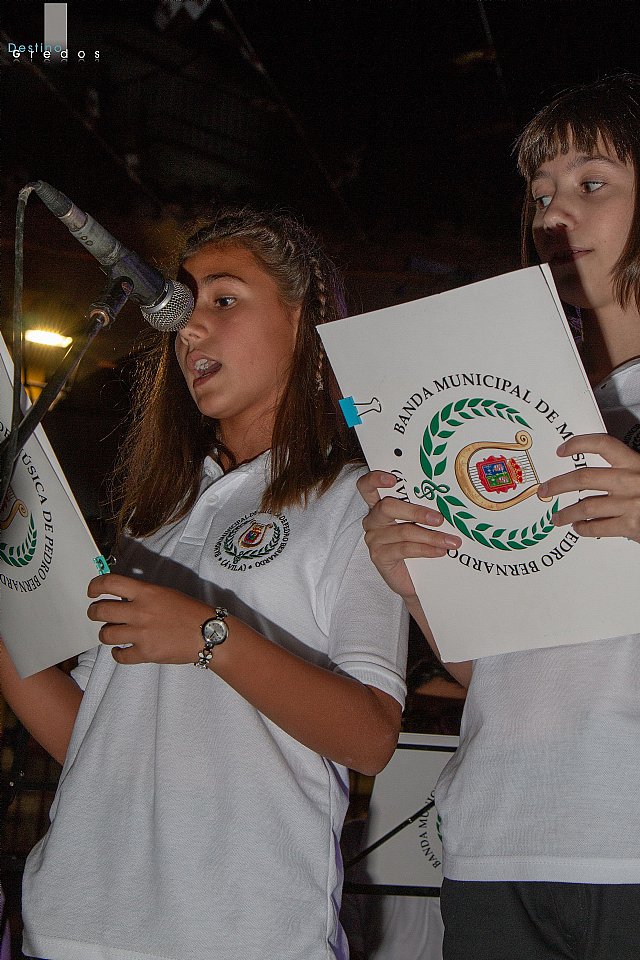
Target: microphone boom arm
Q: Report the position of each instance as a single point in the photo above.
(101, 313)
(165, 304)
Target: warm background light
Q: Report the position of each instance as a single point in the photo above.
(47, 338)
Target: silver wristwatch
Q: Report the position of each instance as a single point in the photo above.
(214, 632)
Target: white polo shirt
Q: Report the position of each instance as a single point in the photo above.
(546, 780)
(187, 825)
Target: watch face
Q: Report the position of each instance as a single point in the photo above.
(214, 630)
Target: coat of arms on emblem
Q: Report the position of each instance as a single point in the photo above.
(497, 474)
(498, 482)
(254, 536)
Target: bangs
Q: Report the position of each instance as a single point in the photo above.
(604, 113)
(543, 141)
(592, 118)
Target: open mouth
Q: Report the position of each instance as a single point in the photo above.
(204, 368)
(202, 365)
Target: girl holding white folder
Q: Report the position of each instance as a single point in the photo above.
(243, 666)
(539, 807)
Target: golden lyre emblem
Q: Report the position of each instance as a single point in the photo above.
(497, 476)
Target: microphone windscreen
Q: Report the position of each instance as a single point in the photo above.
(172, 312)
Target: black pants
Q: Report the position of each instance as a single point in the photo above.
(540, 921)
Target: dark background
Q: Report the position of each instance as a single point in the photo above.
(388, 125)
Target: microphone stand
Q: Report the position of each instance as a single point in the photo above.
(387, 836)
(101, 313)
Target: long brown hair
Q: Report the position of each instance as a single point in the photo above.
(160, 466)
(607, 110)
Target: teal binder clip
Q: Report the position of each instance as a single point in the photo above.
(353, 412)
(101, 564)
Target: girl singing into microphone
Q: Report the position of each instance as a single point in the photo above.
(252, 652)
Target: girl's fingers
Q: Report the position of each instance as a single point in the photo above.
(590, 508)
(602, 516)
(407, 536)
(408, 550)
(126, 655)
(607, 479)
(109, 611)
(389, 509)
(370, 483)
(115, 584)
(116, 633)
(615, 452)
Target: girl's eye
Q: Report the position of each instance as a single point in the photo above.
(592, 185)
(542, 202)
(225, 302)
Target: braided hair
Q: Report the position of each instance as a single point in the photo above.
(159, 472)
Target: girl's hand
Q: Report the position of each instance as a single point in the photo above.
(162, 625)
(391, 543)
(617, 512)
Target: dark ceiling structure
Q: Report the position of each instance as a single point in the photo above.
(388, 124)
(375, 119)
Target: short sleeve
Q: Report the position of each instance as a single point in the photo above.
(368, 623)
(82, 672)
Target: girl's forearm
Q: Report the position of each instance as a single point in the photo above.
(46, 703)
(333, 714)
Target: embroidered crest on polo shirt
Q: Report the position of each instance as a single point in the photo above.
(252, 541)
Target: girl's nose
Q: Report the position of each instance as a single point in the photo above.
(559, 214)
(195, 328)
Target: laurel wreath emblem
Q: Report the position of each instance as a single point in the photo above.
(269, 547)
(433, 461)
(21, 555)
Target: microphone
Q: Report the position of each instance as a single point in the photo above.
(165, 304)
